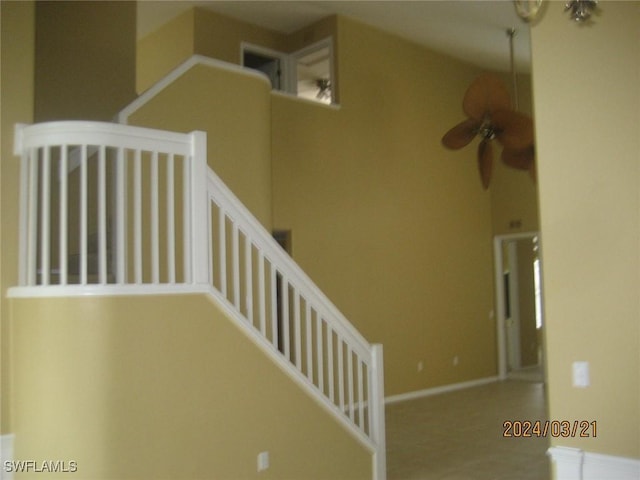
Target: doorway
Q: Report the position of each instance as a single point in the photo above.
(266, 61)
(519, 302)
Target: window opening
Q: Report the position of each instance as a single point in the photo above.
(306, 73)
(314, 73)
(271, 66)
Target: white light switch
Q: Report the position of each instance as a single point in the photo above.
(263, 461)
(581, 374)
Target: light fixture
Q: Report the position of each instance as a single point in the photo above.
(580, 10)
(527, 9)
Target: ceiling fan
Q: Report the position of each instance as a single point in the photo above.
(487, 105)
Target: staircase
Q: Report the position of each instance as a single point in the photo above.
(117, 209)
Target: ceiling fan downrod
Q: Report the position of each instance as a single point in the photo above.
(511, 32)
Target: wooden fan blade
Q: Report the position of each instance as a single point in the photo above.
(513, 129)
(485, 162)
(461, 135)
(520, 159)
(484, 96)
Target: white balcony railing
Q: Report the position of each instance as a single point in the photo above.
(108, 208)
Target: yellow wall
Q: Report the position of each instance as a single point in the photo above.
(205, 32)
(164, 49)
(16, 90)
(588, 122)
(197, 31)
(85, 59)
(411, 110)
(234, 109)
(131, 387)
(395, 228)
(220, 37)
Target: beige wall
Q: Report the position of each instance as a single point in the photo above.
(16, 98)
(85, 59)
(400, 130)
(396, 229)
(587, 121)
(131, 387)
(164, 49)
(197, 31)
(220, 37)
(233, 107)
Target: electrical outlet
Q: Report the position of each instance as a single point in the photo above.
(263, 461)
(456, 361)
(420, 366)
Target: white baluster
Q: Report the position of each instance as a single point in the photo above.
(120, 252)
(235, 264)
(285, 317)
(102, 215)
(187, 236)
(137, 216)
(155, 213)
(350, 382)
(83, 215)
(171, 233)
(319, 353)
(309, 345)
(341, 374)
(273, 282)
(330, 372)
(262, 295)
(45, 212)
(248, 278)
(64, 182)
(222, 254)
(360, 394)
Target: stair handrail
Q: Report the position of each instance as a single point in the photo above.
(333, 362)
(370, 431)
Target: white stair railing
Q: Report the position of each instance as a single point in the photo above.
(279, 303)
(104, 204)
(111, 208)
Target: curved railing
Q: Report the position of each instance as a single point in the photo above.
(108, 208)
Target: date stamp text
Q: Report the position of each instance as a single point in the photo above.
(549, 428)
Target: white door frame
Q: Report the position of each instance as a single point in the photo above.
(285, 62)
(498, 263)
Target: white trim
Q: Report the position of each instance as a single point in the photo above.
(6, 454)
(499, 295)
(99, 290)
(576, 464)
(452, 387)
(176, 73)
(326, 42)
(308, 101)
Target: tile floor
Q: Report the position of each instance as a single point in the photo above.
(459, 435)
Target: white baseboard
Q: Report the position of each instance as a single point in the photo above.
(6, 454)
(576, 464)
(438, 390)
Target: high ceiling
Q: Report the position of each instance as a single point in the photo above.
(471, 30)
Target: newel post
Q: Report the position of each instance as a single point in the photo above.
(379, 431)
(199, 208)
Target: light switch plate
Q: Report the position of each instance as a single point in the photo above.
(263, 461)
(581, 374)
